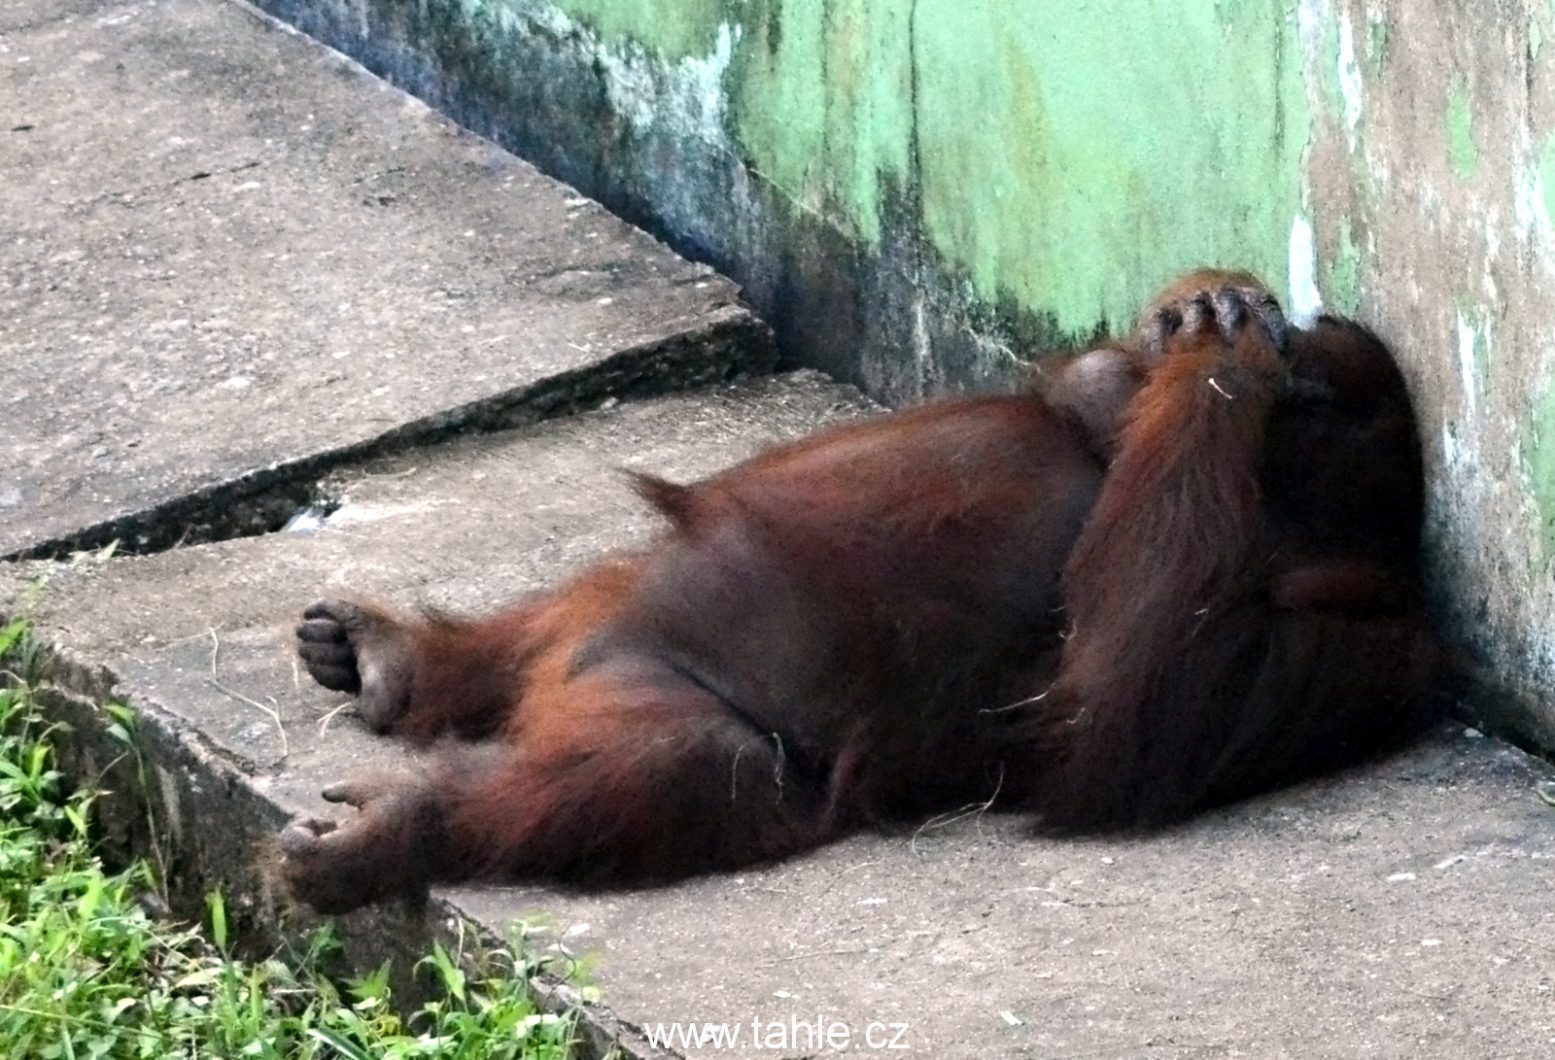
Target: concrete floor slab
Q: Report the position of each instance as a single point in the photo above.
(1403, 910)
(229, 256)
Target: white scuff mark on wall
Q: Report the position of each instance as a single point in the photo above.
(1306, 301)
(1459, 485)
(630, 84)
(1309, 23)
(1468, 374)
(1530, 210)
(1463, 479)
(1452, 456)
(1459, 493)
(687, 96)
(1351, 85)
(1528, 204)
(702, 84)
(923, 348)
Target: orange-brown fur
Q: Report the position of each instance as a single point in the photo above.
(1180, 570)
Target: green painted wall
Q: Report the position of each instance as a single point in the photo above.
(1075, 163)
(1071, 164)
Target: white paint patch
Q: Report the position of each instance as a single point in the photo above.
(701, 84)
(1467, 373)
(1528, 206)
(1306, 301)
(1350, 82)
(687, 97)
(923, 349)
(1452, 456)
(629, 82)
(1309, 23)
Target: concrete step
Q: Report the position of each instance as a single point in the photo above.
(198, 639)
(230, 258)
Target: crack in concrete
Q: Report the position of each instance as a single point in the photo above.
(262, 500)
(151, 189)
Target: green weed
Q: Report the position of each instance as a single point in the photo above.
(87, 970)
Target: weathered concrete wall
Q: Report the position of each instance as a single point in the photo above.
(921, 193)
(1431, 179)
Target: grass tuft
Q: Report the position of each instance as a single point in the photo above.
(88, 971)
